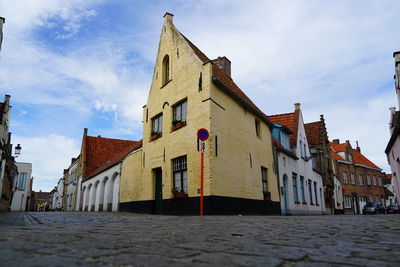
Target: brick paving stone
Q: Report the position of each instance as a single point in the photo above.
(126, 239)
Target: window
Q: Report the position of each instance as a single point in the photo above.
(305, 150)
(284, 140)
(315, 193)
(180, 112)
(368, 179)
(350, 158)
(165, 70)
(360, 179)
(295, 192)
(264, 179)
(347, 202)
(345, 179)
(156, 125)
(258, 132)
(22, 181)
(353, 180)
(180, 174)
(301, 149)
(380, 181)
(371, 198)
(374, 179)
(303, 197)
(310, 191)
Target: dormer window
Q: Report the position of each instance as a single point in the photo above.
(165, 70)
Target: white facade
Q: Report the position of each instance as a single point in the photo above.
(57, 203)
(101, 192)
(22, 187)
(299, 175)
(391, 188)
(72, 187)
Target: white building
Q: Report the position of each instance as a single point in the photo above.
(57, 203)
(72, 183)
(300, 185)
(22, 187)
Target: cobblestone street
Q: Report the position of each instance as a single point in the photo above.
(67, 239)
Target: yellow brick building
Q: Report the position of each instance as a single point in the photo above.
(188, 92)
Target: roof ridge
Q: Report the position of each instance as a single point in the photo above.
(281, 114)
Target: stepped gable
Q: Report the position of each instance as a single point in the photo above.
(313, 132)
(99, 150)
(220, 78)
(291, 121)
(116, 158)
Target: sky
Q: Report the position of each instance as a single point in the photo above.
(70, 65)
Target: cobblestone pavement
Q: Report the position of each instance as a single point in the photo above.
(78, 238)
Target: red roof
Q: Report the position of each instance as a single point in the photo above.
(335, 155)
(291, 121)
(100, 151)
(313, 132)
(389, 176)
(338, 147)
(117, 157)
(358, 158)
(361, 159)
(226, 81)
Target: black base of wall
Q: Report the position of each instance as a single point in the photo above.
(213, 205)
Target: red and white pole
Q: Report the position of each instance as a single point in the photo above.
(202, 178)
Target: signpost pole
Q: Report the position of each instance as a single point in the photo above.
(203, 135)
(202, 177)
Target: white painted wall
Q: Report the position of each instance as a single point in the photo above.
(18, 202)
(302, 167)
(102, 190)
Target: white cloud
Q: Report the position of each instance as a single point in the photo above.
(49, 156)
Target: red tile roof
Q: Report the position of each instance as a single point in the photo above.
(358, 158)
(338, 147)
(335, 155)
(117, 157)
(226, 81)
(100, 150)
(313, 132)
(291, 121)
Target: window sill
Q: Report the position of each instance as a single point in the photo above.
(297, 202)
(305, 203)
(165, 84)
(155, 137)
(180, 195)
(178, 126)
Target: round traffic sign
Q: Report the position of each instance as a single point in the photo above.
(203, 134)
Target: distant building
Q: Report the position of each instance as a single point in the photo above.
(37, 198)
(388, 183)
(22, 187)
(71, 182)
(361, 179)
(393, 147)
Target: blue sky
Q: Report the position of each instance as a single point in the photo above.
(88, 63)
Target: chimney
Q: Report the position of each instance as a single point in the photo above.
(348, 143)
(224, 64)
(336, 141)
(297, 106)
(72, 160)
(85, 131)
(168, 17)
(392, 110)
(358, 148)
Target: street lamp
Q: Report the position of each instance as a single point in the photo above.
(17, 151)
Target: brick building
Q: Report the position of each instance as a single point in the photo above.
(37, 198)
(361, 179)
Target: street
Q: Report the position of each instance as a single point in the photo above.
(89, 239)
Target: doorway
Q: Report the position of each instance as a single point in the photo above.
(285, 193)
(158, 191)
